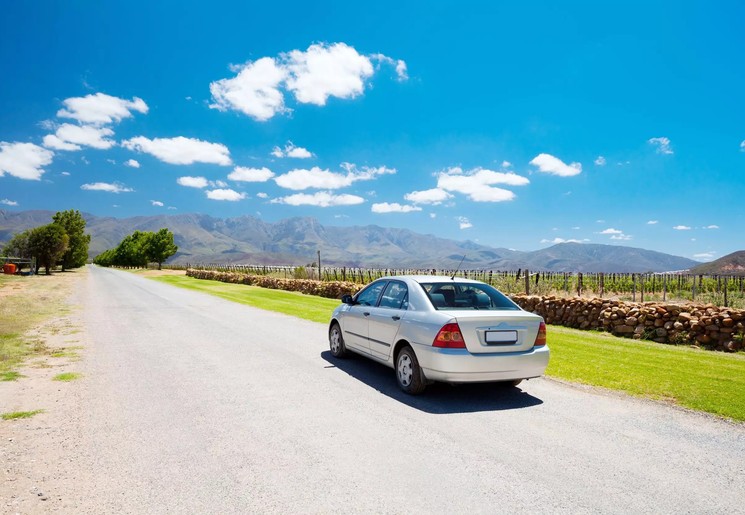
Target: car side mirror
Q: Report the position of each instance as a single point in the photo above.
(347, 299)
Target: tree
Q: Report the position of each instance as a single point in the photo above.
(159, 246)
(73, 224)
(48, 244)
(18, 246)
(131, 250)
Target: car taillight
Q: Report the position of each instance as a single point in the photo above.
(540, 340)
(449, 337)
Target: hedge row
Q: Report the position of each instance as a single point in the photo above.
(330, 289)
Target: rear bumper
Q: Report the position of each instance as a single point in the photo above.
(460, 366)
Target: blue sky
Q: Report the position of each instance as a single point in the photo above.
(515, 125)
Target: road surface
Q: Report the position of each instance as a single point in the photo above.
(194, 404)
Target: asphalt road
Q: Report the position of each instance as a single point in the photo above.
(198, 405)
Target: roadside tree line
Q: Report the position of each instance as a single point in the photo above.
(140, 248)
(62, 242)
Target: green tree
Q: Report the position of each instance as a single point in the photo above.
(131, 250)
(77, 250)
(18, 245)
(159, 246)
(48, 244)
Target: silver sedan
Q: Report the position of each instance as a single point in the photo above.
(431, 328)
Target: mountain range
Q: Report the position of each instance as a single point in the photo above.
(296, 241)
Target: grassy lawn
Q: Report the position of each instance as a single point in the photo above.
(702, 380)
(696, 379)
(315, 309)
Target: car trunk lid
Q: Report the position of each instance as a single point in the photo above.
(498, 331)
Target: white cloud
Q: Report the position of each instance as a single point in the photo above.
(66, 174)
(506, 164)
(8, 202)
(244, 174)
(562, 240)
(711, 227)
(301, 179)
(105, 186)
(157, 203)
(70, 137)
(547, 163)
(401, 70)
(705, 255)
(662, 144)
(600, 161)
(291, 150)
(254, 91)
(52, 141)
(434, 196)
(172, 208)
(219, 184)
(100, 109)
(193, 182)
(652, 222)
(385, 207)
(433, 215)
(132, 163)
(742, 146)
(181, 150)
(320, 199)
(225, 194)
(478, 184)
(682, 228)
(262, 195)
(464, 223)
(312, 76)
(24, 160)
(324, 71)
(615, 234)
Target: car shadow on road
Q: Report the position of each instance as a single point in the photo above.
(438, 398)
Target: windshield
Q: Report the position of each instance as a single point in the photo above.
(454, 295)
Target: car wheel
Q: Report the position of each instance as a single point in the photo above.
(408, 372)
(336, 342)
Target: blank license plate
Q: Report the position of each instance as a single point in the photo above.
(501, 336)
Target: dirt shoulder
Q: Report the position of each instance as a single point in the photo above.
(38, 454)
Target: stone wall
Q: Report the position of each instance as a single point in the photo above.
(706, 326)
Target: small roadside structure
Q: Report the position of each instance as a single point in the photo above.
(17, 265)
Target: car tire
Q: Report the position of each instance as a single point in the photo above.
(408, 372)
(336, 342)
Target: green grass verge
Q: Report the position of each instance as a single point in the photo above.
(10, 376)
(67, 376)
(15, 415)
(701, 380)
(315, 309)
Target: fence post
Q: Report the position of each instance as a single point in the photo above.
(725, 292)
(579, 284)
(664, 288)
(641, 287)
(527, 282)
(633, 287)
(602, 284)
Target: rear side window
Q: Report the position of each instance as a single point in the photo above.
(454, 295)
(395, 296)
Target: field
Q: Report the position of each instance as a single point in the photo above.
(695, 379)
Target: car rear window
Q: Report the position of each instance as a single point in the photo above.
(455, 295)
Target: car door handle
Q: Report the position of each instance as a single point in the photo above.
(366, 313)
(396, 318)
